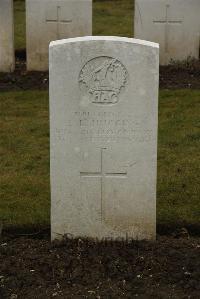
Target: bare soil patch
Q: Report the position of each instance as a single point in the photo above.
(176, 76)
(35, 268)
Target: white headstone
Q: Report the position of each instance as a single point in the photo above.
(7, 57)
(174, 24)
(103, 127)
(48, 20)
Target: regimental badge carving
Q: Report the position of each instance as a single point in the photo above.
(103, 79)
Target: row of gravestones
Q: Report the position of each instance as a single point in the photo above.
(103, 137)
(174, 24)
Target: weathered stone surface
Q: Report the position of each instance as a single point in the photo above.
(49, 20)
(103, 127)
(7, 58)
(174, 24)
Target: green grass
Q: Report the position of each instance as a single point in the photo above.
(114, 17)
(24, 171)
(19, 24)
(179, 157)
(24, 158)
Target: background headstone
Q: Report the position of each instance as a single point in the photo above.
(103, 126)
(49, 20)
(7, 57)
(174, 24)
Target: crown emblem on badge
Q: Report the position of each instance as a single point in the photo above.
(103, 78)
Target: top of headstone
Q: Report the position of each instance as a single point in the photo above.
(104, 38)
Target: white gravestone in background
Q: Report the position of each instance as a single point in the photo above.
(7, 57)
(103, 127)
(174, 24)
(48, 20)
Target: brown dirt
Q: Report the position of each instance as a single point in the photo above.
(21, 79)
(35, 268)
(176, 76)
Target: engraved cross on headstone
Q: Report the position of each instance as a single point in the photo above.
(167, 22)
(58, 21)
(102, 174)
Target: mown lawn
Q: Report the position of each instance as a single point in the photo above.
(24, 171)
(110, 17)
